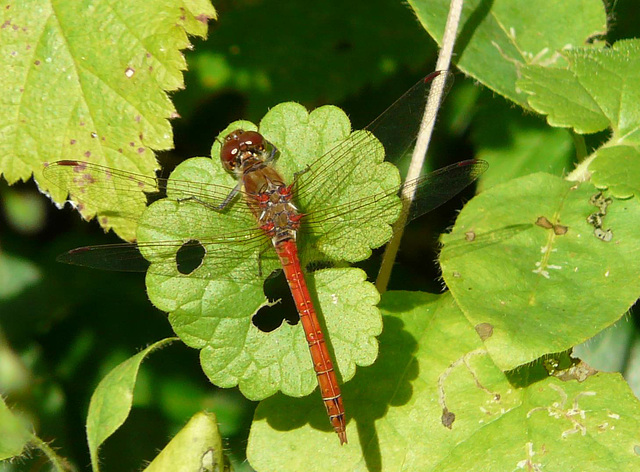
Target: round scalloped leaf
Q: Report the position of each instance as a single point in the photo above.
(212, 308)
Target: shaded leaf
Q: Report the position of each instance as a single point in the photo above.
(324, 58)
(16, 275)
(515, 144)
(111, 401)
(433, 367)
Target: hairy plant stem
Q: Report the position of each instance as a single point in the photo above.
(424, 137)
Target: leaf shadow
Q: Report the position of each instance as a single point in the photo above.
(471, 25)
(367, 397)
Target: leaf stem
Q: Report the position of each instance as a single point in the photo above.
(581, 146)
(59, 464)
(424, 137)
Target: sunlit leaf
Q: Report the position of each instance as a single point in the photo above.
(197, 447)
(523, 259)
(88, 81)
(212, 308)
(496, 39)
(14, 434)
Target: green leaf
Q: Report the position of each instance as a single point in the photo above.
(212, 308)
(24, 211)
(617, 168)
(610, 349)
(496, 39)
(600, 89)
(197, 447)
(432, 365)
(14, 434)
(89, 81)
(523, 278)
(111, 401)
(16, 275)
(215, 316)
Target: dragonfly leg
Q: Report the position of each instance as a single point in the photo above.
(300, 172)
(197, 200)
(289, 187)
(220, 207)
(229, 197)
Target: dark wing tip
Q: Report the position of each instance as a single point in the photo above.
(67, 162)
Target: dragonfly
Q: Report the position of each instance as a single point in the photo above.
(311, 207)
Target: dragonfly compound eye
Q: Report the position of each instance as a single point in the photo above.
(231, 149)
(238, 142)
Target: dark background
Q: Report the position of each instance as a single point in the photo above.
(65, 328)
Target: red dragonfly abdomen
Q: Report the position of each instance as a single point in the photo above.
(322, 363)
(270, 200)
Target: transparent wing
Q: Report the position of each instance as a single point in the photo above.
(250, 262)
(328, 226)
(396, 129)
(94, 186)
(334, 215)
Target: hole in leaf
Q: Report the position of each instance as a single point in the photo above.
(270, 318)
(190, 256)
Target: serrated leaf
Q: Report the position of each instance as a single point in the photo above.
(523, 278)
(599, 89)
(112, 399)
(196, 447)
(88, 81)
(212, 309)
(496, 39)
(431, 358)
(14, 434)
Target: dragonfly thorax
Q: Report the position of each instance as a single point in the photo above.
(272, 205)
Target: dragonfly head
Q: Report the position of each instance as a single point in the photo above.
(240, 145)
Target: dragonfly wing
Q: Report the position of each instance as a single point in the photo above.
(440, 186)
(119, 197)
(249, 263)
(347, 223)
(396, 129)
(117, 257)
